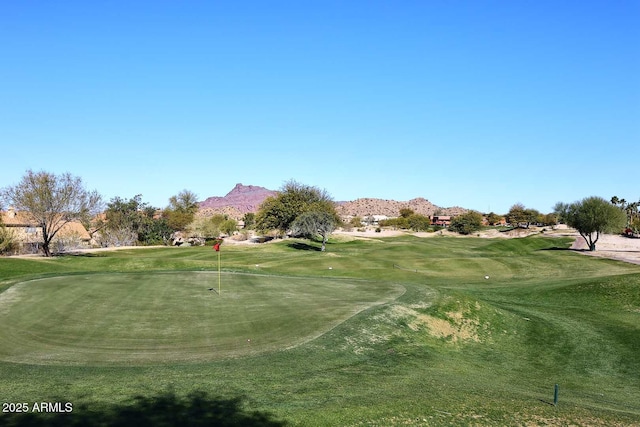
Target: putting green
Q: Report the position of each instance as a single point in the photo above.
(146, 318)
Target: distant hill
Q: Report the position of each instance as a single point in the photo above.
(247, 198)
(391, 208)
(237, 202)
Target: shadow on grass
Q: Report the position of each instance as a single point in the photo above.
(78, 254)
(165, 410)
(556, 248)
(303, 246)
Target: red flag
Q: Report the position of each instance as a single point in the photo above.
(217, 247)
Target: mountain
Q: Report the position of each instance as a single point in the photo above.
(391, 208)
(239, 201)
(247, 198)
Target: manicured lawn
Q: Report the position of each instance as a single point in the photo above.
(168, 317)
(379, 332)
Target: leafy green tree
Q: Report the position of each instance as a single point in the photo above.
(406, 212)
(632, 209)
(228, 226)
(122, 221)
(408, 219)
(591, 217)
(418, 222)
(181, 210)
(549, 219)
(519, 216)
(632, 212)
(532, 216)
(249, 220)
(154, 231)
(356, 221)
(217, 220)
(210, 227)
(315, 223)
(493, 218)
(132, 221)
(516, 215)
(278, 212)
(400, 222)
(466, 223)
(51, 201)
(560, 211)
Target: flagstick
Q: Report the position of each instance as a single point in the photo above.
(218, 273)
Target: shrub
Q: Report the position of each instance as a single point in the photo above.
(466, 223)
(7, 240)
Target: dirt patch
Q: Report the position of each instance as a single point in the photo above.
(455, 328)
(611, 246)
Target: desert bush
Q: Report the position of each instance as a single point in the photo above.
(67, 242)
(241, 236)
(8, 241)
(347, 227)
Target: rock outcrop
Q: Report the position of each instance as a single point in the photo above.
(391, 208)
(242, 198)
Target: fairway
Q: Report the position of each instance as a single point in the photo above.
(150, 318)
(380, 332)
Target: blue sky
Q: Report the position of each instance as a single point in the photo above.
(480, 104)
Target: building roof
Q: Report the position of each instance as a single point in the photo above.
(75, 228)
(13, 218)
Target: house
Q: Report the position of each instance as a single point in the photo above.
(28, 234)
(441, 220)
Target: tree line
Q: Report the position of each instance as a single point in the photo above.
(301, 210)
(52, 201)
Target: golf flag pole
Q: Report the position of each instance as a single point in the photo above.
(216, 247)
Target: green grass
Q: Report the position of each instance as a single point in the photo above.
(399, 331)
(168, 317)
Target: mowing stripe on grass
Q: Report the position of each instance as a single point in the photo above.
(143, 318)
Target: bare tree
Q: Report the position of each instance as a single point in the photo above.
(52, 201)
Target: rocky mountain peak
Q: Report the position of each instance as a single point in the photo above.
(243, 198)
(245, 189)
